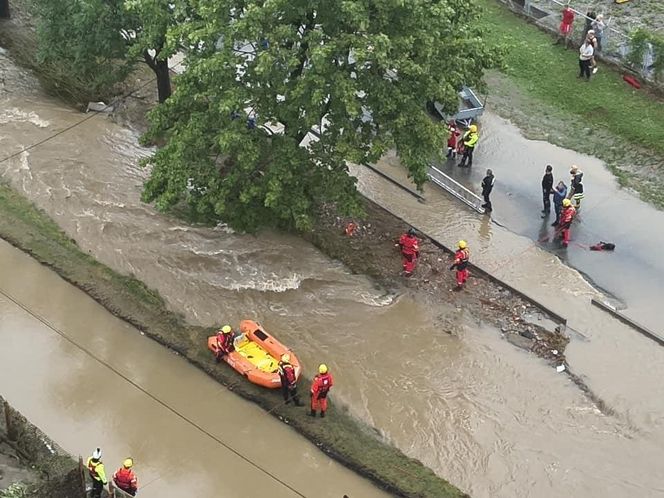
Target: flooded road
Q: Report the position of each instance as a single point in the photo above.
(634, 274)
(183, 436)
(494, 420)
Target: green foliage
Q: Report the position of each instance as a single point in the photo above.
(16, 490)
(100, 41)
(640, 42)
(86, 38)
(362, 70)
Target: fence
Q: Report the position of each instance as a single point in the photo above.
(456, 189)
(615, 43)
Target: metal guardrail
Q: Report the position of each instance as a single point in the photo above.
(628, 321)
(456, 189)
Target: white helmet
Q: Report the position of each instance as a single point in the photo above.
(96, 454)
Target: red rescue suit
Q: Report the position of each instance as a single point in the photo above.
(224, 344)
(461, 264)
(566, 219)
(319, 389)
(410, 250)
(125, 479)
(288, 382)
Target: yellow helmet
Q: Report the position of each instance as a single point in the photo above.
(567, 202)
(473, 128)
(128, 463)
(462, 244)
(285, 358)
(322, 369)
(226, 329)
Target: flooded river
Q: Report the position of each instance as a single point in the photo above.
(494, 420)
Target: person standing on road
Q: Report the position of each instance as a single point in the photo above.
(576, 187)
(97, 473)
(320, 388)
(452, 139)
(559, 195)
(410, 251)
(288, 380)
(461, 258)
(470, 139)
(566, 220)
(586, 52)
(487, 187)
(125, 479)
(547, 187)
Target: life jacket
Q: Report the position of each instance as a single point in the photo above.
(409, 245)
(470, 139)
(287, 373)
(568, 215)
(92, 468)
(125, 479)
(225, 341)
(322, 384)
(461, 259)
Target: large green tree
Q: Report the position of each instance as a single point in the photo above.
(100, 41)
(359, 71)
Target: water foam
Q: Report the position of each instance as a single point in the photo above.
(15, 115)
(274, 284)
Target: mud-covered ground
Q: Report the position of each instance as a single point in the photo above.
(371, 251)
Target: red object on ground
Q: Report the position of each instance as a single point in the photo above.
(631, 80)
(350, 229)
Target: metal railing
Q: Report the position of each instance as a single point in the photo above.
(615, 42)
(456, 189)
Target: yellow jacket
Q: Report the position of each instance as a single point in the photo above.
(97, 471)
(470, 139)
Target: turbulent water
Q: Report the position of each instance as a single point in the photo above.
(494, 420)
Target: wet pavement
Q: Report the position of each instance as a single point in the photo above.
(494, 420)
(633, 274)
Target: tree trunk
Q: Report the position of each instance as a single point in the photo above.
(4, 9)
(160, 68)
(163, 80)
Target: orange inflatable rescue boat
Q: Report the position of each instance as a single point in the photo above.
(256, 355)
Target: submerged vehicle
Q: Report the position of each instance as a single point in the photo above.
(256, 355)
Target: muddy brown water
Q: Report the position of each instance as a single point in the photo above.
(494, 420)
(78, 400)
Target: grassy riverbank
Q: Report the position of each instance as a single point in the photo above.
(340, 435)
(539, 90)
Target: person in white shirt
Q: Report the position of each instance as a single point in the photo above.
(586, 52)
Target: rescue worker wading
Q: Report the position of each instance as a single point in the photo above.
(470, 139)
(319, 390)
(97, 473)
(461, 263)
(225, 344)
(125, 479)
(288, 381)
(569, 212)
(410, 250)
